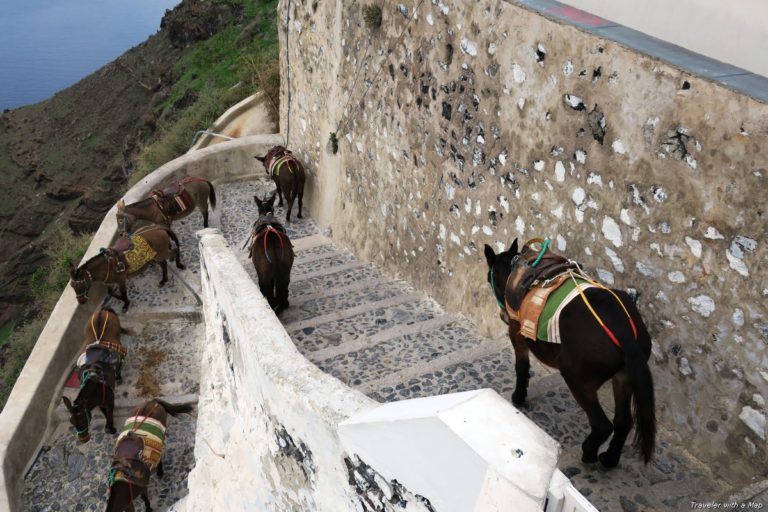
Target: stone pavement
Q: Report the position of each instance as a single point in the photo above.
(375, 333)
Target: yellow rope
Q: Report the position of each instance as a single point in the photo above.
(103, 329)
(595, 283)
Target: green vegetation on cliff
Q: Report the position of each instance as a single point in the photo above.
(215, 74)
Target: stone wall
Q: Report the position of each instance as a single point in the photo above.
(464, 123)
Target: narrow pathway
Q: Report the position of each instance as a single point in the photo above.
(375, 333)
(391, 342)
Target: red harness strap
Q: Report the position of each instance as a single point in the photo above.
(266, 232)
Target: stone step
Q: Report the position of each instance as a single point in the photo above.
(414, 349)
(340, 298)
(365, 320)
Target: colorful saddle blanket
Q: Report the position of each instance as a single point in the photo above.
(139, 255)
(151, 432)
(174, 198)
(276, 164)
(539, 316)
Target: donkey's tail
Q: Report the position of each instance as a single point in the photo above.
(644, 403)
(211, 195)
(175, 410)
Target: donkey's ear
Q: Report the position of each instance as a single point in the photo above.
(260, 158)
(490, 256)
(271, 199)
(513, 247)
(72, 268)
(67, 403)
(121, 204)
(256, 198)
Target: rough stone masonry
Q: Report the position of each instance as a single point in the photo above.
(464, 123)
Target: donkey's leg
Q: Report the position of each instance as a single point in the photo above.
(204, 211)
(622, 419)
(160, 469)
(281, 293)
(124, 296)
(177, 255)
(145, 499)
(585, 393)
(108, 413)
(522, 365)
(164, 267)
(279, 193)
(301, 198)
(266, 285)
(289, 198)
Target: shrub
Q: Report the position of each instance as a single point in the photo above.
(372, 16)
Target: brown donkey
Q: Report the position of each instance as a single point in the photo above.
(592, 334)
(100, 364)
(138, 452)
(288, 174)
(129, 255)
(272, 255)
(173, 202)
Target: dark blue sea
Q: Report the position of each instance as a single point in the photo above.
(48, 45)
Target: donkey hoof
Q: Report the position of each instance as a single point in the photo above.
(607, 461)
(125, 308)
(162, 283)
(588, 459)
(299, 216)
(181, 267)
(518, 399)
(110, 430)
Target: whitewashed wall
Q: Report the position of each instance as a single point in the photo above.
(275, 433)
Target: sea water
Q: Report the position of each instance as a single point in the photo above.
(48, 45)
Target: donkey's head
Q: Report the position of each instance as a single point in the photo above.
(499, 268)
(125, 220)
(266, 206)
(80, 279)
(79, 417)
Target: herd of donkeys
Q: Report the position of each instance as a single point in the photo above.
(145, 237)
(590, 333)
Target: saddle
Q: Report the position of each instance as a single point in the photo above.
(276, 158)
(174, 198)
(115, 254)
(262, 226)
(534, 266)
(127, 461)
(535, 275)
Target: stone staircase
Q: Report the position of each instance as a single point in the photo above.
(373, 332)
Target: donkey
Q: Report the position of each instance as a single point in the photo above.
(601, 337)
(100, 364)
(128, 256)
(173, 202)
(138, 452)
(288, 174)
(272, 255)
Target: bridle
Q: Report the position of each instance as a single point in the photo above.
(87, 280)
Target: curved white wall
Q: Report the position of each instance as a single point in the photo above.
(35, 394)
(734, 32)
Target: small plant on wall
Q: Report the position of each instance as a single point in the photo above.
(333, 143)
(372, 16)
